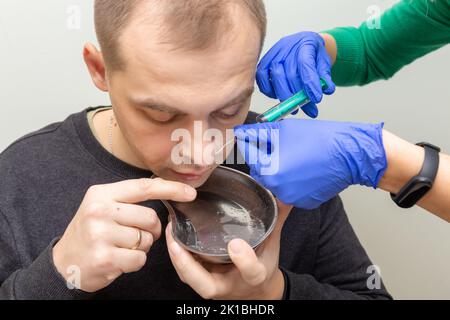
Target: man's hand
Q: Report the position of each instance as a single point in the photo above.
(101, 238)
(251, 276)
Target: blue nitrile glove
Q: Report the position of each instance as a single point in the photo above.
(311, 161)
(295, 63)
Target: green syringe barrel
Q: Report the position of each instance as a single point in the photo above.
(288, 106)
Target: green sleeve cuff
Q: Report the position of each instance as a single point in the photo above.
(350, 61)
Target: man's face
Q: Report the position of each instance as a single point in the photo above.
(163, 89)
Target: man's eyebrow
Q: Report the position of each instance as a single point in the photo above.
(150, 103)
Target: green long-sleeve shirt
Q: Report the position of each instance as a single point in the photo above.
(409, 30)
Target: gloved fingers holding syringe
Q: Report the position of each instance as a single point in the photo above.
(297, 63)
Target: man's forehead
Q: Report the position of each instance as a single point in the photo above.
(144, 44)
(190, 68)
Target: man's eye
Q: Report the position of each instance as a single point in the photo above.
(160, 116)
(228, 114)
(224, 115)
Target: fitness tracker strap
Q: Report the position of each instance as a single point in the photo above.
(419, 185)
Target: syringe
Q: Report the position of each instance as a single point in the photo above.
(288, 106)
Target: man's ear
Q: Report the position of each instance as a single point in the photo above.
(96, 66)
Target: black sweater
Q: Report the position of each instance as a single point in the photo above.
(44, 177)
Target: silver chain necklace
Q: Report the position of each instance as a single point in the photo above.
(110, 134)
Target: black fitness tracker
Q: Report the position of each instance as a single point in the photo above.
(419, 185)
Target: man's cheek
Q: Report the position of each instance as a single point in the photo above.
(155, 150)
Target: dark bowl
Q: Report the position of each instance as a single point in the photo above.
(230, 204)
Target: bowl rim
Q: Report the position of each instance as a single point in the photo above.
(226, 255)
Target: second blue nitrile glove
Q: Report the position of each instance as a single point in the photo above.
(307, 162)
(295, 63)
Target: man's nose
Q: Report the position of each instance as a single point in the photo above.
(204, 143)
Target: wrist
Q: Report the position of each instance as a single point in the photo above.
(330, 46)
(274, 288)
(404, 162)
(58, 259)
(363, 157)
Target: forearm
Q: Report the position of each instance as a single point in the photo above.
(330, 46)
(38, 281)
(306, 287)
(405, 161)
(407, 31)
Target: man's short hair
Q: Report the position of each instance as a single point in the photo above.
(190, 24)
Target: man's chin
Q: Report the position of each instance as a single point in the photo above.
(196, 184)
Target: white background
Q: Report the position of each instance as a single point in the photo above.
(43, 79)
